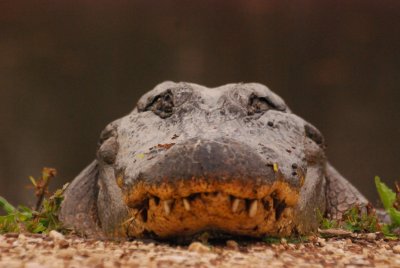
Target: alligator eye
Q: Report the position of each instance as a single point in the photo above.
(162, 105)
(259, 105)
(314, 134)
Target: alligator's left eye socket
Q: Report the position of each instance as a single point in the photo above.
(258, 105)
(314, 134)
(162, 105)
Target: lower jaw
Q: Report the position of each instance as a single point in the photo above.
(270, 213)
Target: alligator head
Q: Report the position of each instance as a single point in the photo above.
(232, 159)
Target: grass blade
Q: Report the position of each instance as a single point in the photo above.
(386, 195)
(8, 208)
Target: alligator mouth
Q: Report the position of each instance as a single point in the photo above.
(183, 210)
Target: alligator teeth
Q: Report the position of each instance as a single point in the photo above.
(167, 206)
(253, 208)
(235, 204)
(186, 204)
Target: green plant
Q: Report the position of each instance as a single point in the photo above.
(294, 239)
(272, 240)
(43, 218)
(326, 223)
(355, 220)
(391, 203)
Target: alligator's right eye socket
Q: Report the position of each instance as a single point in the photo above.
(258, 105)
(162, 105)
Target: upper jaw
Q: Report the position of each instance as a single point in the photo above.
(217, 160)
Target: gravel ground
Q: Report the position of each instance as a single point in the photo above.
(55, 250)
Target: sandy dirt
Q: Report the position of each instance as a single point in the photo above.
(55, 250)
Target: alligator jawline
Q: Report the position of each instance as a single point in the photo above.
(268, 211)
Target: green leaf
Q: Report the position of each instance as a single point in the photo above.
(394, 216)
(32, 179)
(386, 195)
(39, 228)
(8, 224)
(8, 208)
(386, 230)
(24, 213)
(42, 220)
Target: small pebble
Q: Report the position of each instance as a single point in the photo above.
(56, 235)
(232, 244)
(300, 246)
(63, 244)
(396, 249)
(22, 237)
(291, 246)
(371, 237)
(10, 264)
(11, 235)
(59, 239)
(198, 247)
(34, 265)
(67, 254)
(321, 242)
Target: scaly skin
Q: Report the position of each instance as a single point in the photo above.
(232, 159)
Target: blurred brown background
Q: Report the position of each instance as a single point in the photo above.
(67, 68)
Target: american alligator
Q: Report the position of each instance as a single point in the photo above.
(232, 159)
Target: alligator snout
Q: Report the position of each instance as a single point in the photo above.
(202, 165)
(223, 180)
(222, 159)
